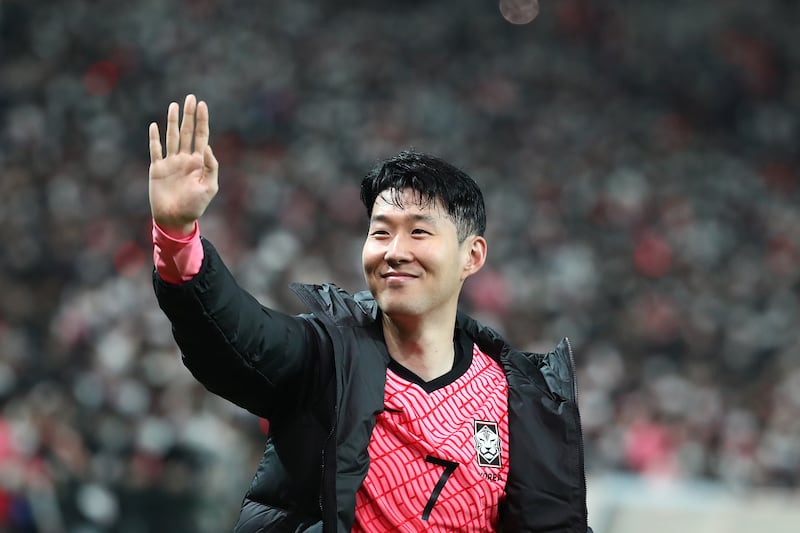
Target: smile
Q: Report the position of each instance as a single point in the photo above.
(397, 276)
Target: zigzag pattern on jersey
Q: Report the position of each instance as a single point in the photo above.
(439, 427)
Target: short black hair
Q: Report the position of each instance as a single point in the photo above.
(432, 179)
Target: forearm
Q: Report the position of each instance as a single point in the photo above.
(237, 348)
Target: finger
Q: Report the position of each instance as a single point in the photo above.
(202, 131)
(187, 125)
(211, 165)
(155, 143)
(172, 129)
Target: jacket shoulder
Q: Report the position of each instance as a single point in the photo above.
(556, 367)
(337, 305)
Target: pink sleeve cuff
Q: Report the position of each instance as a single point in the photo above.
(177, 259)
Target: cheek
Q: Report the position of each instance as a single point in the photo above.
(368, 256)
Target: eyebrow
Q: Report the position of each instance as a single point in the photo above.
(414, 217)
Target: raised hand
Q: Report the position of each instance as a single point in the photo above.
(183, 183)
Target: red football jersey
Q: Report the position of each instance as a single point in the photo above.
(438, 458)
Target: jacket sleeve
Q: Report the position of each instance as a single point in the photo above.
(263, 360)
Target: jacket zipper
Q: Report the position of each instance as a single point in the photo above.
(322, 484)
(573, 371)
(305, 296)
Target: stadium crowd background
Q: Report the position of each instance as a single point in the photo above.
(640, 165)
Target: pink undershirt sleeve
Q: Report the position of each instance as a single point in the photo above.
(177, 258)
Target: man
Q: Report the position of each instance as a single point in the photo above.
(389, 410)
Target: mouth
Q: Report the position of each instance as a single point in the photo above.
(397, 276)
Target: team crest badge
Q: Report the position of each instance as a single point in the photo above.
(487, 443)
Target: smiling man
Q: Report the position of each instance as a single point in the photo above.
(389, 409)
(418, 254)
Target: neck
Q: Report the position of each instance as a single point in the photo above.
(425, 347)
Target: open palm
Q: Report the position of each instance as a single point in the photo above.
(183, 183)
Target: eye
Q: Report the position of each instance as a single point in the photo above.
(420, 231)
(379, 233)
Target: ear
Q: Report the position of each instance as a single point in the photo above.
(475, 254)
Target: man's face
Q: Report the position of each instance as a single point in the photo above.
(413, 262)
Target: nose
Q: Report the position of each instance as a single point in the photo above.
(398, 250)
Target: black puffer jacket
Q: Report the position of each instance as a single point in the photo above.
(319, 379)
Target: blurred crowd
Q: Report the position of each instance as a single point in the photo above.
(641, 170)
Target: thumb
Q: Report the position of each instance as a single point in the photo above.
(210, 163)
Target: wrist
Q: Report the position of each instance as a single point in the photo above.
(177, 231)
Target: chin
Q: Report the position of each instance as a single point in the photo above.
(392, 307)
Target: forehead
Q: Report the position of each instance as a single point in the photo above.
(408, 201)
